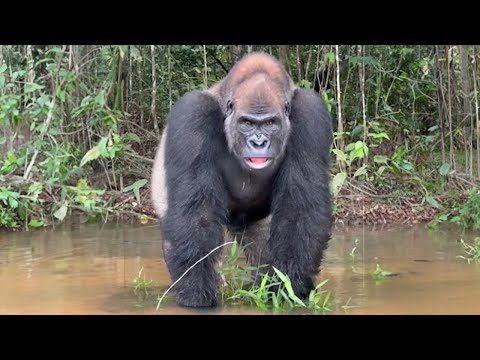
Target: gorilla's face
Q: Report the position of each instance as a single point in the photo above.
(257, 123)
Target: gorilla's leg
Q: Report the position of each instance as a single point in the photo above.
(301, 204)
(254, 240)
(194, 221)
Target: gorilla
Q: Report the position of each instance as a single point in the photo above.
(249, 155)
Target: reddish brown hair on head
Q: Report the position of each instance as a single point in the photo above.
(255, 63)
(257, 80)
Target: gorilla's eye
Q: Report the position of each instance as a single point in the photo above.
(247, 123)
(269, 123)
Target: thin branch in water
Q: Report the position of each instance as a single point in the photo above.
(190, 268)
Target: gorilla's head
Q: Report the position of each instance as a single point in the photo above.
(256, 98)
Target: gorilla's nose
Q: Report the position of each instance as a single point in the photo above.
(259, 142)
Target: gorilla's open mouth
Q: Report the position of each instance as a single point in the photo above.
(258, 162)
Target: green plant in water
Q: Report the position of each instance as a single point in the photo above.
(141, 286)
(352, 253)
(379, 274)
(274, 290)
(233, 275)
(473, 252)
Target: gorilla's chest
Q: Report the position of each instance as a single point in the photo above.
(248, 192)
(249, 195)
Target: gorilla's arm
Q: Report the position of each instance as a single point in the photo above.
(301, 204)
(193, 224)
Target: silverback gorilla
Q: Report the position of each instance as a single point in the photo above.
(251, 155)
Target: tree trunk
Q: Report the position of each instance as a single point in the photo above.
(339, 105)
(140, 91)
(283, 56)
(467, 115)
(440, 103)
(154, 91)
(477, 120)
(236, 52)
(31, 72)
(300, 65)
(309, 60)
(205, 68)
(449, 99)
(361, 77)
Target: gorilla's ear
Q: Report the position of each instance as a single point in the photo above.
(288, 108)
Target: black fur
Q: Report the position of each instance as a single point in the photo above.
(193, 224)
(301, 205)
(208, 190)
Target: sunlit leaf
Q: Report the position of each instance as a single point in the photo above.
(91, 154)
(36, 223)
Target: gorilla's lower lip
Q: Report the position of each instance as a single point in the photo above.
(258, 162)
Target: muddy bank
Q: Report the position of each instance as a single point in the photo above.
(350, 208)
(365, 210)
(354, 210)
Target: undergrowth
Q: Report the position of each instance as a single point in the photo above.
(273, 291)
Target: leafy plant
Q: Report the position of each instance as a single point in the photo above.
(87, 198)
(273, 291)
(466, 214)
(470, 211)
(9, 201)
(378, 274)
(473, 251)
(135, 188)
(142, 288)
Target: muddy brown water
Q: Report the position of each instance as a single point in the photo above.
(88, 269)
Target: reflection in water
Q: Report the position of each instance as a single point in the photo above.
(88, 269)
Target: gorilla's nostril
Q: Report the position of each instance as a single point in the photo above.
(259, 144)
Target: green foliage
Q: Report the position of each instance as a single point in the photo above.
(83, 110)
(9, 201)
(465, 214)
(87, 198)
(110, 147)
(337, 182)
(9, 164)
(135, 188)
(444, 169)
(273, 292)
(470, 212)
